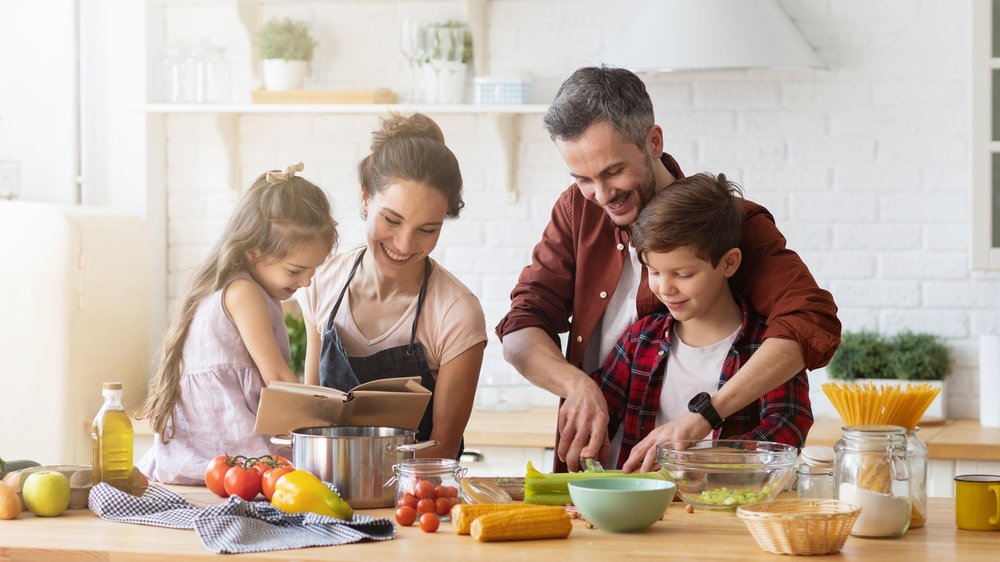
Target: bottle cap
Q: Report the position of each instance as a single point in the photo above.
(112, 386)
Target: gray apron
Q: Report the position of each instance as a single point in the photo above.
(341, 371)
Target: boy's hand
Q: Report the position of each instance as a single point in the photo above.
(689, 426)
(583, 425)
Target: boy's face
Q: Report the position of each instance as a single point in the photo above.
(689, 285)
(612, 172)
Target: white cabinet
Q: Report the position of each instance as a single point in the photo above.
(505, 461)
(941, 474)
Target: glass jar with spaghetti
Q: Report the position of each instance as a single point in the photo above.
(870, 470)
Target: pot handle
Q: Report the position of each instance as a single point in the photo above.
(283, 439)
(410, 448)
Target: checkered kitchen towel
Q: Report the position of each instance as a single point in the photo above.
(235, 525)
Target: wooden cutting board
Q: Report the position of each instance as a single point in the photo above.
(380, 95)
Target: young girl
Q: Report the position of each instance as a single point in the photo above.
(228, 339)
(386, 309)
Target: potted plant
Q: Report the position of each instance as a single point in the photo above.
(921, 358)
(861, 355)
(448, 48)
(907, 357)
(286, 49)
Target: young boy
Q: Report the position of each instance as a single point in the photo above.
(667, 365)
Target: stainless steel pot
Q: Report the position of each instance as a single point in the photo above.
(358, 460)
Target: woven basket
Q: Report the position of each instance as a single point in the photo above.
(800, 526)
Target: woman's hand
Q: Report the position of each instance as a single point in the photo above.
(454, 393)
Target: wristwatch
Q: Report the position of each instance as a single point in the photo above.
(702, 404)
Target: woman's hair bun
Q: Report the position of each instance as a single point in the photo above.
(397, 126)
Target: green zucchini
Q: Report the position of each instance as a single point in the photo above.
(11, 466)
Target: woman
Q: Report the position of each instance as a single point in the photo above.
(386, 309)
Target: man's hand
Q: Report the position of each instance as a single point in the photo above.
(583, 425)
(690, 426)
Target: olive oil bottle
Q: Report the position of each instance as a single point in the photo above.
(111, 434)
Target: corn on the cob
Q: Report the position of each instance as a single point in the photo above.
(514, 525)
(463, 514)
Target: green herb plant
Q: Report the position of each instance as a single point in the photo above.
(861, 355)
(920, 357)
(466, 40)
(296, 343)
(286, 39)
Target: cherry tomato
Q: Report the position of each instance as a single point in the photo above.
(243, 482)
(424, 489)
(429, 522)
(442, 506)
(444, 491)
(406, 515)
(215, 474)
(270, 478)
(408, 500)
(426, 505)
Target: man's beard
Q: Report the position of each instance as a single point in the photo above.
(647, 190)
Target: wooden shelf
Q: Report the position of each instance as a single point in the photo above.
(506, 120)
(346, 108)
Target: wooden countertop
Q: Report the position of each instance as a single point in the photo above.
(534, 427)
(949, 439)
(81, 535)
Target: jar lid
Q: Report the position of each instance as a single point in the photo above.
(817, 455)
(870, 429)
(112, 386)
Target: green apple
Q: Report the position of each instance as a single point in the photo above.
(46, 493)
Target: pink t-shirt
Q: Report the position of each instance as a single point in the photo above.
(452, 320)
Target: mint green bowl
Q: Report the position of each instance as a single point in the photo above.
(622, 505)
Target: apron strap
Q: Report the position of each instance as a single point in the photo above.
(336, 307)
(420, 303)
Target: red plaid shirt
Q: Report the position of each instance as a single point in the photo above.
(632, 377)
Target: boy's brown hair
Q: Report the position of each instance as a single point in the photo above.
(701, 211)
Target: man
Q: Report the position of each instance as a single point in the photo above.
(586, 278)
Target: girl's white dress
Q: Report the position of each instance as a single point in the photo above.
(220, 389)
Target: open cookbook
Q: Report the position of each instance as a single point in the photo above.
(396, 402)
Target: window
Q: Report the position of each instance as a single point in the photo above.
(986, 134)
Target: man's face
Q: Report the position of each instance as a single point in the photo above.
(612, 172)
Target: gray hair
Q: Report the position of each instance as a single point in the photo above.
(595, 94)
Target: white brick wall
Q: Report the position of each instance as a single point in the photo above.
(864, 164)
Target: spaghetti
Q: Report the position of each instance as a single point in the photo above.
(872, 404)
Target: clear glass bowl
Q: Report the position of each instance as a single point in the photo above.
(721, 474)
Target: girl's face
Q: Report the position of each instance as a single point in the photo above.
(281, 278)
(403, 224)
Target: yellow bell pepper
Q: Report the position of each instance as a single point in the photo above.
(300, 491)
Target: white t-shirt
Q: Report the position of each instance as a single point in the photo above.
(689, 370)
(620, 314)
(452, 320)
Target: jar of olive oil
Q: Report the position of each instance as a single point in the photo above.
(111, 434)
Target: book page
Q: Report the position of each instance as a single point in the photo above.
(309, 389)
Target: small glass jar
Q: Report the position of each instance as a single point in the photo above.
(871, 471)
(815, 472)
(916, 459)
(428, 485)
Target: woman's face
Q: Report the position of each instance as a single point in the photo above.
(403, 223)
